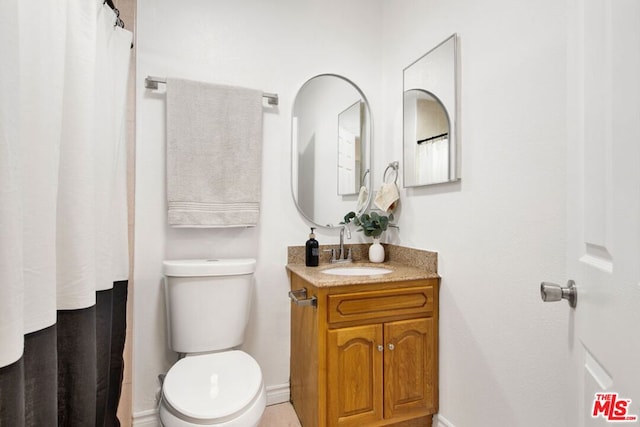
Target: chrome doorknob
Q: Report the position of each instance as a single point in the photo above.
(551, 292)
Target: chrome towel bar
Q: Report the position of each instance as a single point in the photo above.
(299, 296)
(151, 82)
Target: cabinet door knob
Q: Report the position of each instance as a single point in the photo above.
(391, 346)
(380, 347)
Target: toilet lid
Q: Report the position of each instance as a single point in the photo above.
(212, 386)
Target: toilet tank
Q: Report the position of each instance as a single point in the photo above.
(208, 303)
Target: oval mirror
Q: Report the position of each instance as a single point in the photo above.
(430, 143)
(330, 149)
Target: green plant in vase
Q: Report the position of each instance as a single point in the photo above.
(372, 225)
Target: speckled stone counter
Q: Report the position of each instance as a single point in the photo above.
(405, 263)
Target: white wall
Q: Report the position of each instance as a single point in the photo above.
(498, 233)
(274, 46)
(501, 230)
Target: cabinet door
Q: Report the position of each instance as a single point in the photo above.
(354, 376)
(410, 366)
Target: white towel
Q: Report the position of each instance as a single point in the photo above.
(363, 198)
(387, 197)
(214, 154)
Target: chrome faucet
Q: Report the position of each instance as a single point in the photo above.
(339, 255)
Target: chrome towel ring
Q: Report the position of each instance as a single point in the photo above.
(394, 169)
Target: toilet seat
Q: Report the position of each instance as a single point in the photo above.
(213, 388)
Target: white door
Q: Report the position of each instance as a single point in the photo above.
(603, 247)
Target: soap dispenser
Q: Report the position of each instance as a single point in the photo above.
(312, 252)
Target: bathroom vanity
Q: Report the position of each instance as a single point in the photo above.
(364, 348)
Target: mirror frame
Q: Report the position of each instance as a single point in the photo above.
(369, 143)
(451, 110)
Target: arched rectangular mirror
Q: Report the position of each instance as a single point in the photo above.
(430, 143)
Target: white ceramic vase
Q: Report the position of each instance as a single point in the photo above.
(376, 251)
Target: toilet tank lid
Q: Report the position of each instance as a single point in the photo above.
(208, 267)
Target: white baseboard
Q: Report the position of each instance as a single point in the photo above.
(278, 394)
(440, 421)
(150, 418)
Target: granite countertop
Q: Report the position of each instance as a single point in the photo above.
(401, 272)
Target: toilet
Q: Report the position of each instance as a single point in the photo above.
(214, 384)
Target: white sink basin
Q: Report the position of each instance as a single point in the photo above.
(357, 271)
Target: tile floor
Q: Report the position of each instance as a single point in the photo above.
(281, 415)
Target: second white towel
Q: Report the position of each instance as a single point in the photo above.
(387, 197)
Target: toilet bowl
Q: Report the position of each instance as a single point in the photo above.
(208, 308)
(221, 389)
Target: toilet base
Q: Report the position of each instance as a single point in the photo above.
(249, 418)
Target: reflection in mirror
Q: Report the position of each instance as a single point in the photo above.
(330, 146)
(350, 174)
(429, 117)
(426, 127)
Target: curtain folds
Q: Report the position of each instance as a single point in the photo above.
(63, 212)
(71, 372)
(432, 161)
(11, 283)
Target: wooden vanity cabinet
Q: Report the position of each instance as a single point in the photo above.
(366, 355)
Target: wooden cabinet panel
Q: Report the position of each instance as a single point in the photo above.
(376, 304)
(354, 370)
(410, 364)
(343, 372)
(304, 380)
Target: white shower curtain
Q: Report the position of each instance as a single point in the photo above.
(432, 161)
(63, 206)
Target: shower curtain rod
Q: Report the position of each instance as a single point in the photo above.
(151, 82)
(442, 135)
(119, 22)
